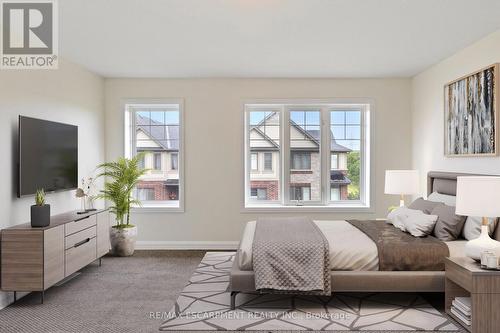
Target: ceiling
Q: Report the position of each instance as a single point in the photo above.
(269, 38)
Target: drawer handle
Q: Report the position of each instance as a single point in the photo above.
(83, 218)
(82, 242)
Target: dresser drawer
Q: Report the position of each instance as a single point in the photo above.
(80, 237)
(79, 225)
(80, 256)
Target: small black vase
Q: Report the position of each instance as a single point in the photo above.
(40, 216)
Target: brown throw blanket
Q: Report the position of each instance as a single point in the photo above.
(400, 251)
(291, 255)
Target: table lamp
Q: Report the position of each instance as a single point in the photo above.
(478, 196)
(401, 182)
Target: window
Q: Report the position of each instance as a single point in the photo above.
(174, 161)
(300, 193)
(157, 161)
(268, 161)
(301, 161)
(334, 161)
(142, 161)
(254, 161)
(156, 130)
(259, 193)
(145, 194)
(322, 153)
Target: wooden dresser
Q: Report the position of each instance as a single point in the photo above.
(34, 259)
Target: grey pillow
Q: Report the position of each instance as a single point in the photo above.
(425, 206)
(449, 225)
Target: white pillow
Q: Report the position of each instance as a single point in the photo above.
(420, 225)
(449, 200)
(472, 227)
(413, 221)
(397, 216)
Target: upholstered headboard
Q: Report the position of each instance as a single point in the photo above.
(446, 183)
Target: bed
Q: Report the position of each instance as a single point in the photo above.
(354, 263)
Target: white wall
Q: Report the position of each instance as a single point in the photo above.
(214, 158)
(70, 95)
(428, 110)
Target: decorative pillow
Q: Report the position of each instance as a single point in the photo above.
(413, 221)
(449, 200)
(420, 225)
(449, 225)
(425, 206)
(472, 227)
(396, 217)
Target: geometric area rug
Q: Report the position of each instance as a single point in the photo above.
(204, 306)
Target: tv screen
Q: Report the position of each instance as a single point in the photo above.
(48, 156)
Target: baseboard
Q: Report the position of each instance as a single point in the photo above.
(186, 245)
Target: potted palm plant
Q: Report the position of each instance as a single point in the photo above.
(122, 176)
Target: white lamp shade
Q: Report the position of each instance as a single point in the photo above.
(478, 196)
(401, 182)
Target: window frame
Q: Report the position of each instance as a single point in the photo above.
(367, 200)
(129, 148)
(159, 155)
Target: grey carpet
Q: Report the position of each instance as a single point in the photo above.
(116, 297)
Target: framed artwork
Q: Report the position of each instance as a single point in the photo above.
(471, 107)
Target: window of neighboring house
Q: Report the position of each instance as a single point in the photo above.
(254, 161)
(259, 193)
(157, 161)
(301, 161)
(156, 129)
(174, 161)
(334, 161)
(302, 193)
(334, 193)
(142, 161)
(268, 161)
(145, 194)
(325, 146)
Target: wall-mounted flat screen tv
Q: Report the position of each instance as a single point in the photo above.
(48, 156)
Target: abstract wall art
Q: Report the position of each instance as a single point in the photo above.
(471, 110)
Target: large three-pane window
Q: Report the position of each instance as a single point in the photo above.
(321, 153)
(154, 131)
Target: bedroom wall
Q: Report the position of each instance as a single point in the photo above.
(428, 110)
(70, 95)
(213, 214)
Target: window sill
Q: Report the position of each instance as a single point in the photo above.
(307, 209)
(157, 209)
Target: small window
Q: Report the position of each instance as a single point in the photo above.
(254, 161)
(259, 193)
(334, 161)
(268, 161)
(301, 161)
(142, 162)
(157, 161)
(302, 193)
(334, 193)
(174, 161)
(146, 194)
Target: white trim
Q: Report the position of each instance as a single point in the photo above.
(186, 245)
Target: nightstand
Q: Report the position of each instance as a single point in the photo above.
(464, 277)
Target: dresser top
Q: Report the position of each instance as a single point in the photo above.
(56, 220)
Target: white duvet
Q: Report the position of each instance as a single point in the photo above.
(350, 248)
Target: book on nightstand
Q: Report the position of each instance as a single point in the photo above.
(464, 310)
(460, 316)
(461, 308)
